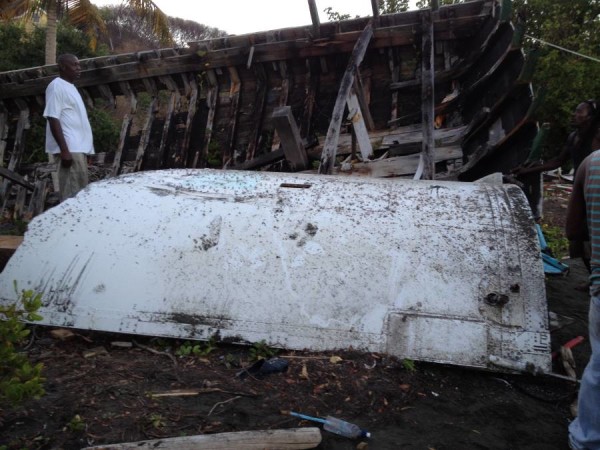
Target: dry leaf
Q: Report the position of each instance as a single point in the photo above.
(304, 373)
(335, 359)
(62, 334)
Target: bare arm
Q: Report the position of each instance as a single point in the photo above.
(56, 130)
(576, 228)
(554, 163)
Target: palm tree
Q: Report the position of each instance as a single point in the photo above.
(82, 14)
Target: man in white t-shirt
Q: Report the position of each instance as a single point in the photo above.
(69, 137)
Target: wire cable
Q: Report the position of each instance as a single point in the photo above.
(562, 48)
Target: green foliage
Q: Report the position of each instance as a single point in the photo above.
(392, 6)
(568, 79)
(334, 16)
(556, 240)
(157, 421)
(19, 379)
(76, 424)
(105, 128)
(260, 350)
(197, 348)
(21, 49)
(409, 365)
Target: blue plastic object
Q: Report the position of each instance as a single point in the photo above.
(552, 266)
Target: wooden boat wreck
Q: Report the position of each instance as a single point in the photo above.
(347, 253)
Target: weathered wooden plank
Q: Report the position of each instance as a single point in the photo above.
(312, 85)
(262, 160)
(191, 114)
(401, 165)
(38, 198)
(426, 169)
(234, 110)
(145, 134)
(331, 141)
(260, 100)
(212, 95)
(19, 206)
(363, 94)
(289, 439)
(16, 178)
(283, 98)
(355, 116)
(287, 129)
(125, 126)
(173, 100)
(18, 148)
(314, 16)
(3, 131)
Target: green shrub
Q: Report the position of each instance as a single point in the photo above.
(19, 379)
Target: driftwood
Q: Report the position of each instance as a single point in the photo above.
(294, 438)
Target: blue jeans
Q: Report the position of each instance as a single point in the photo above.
(584, 431)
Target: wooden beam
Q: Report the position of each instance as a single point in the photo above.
(16, 178)
(37, 202)
(355, 116)
(314, 16)
(145, 135)
(312, 86)
(234, 109)
(18, 147)
(125, 127)
(426, 170)
(3, 131)
(283, 99)
(260, 99)
(363, 95)
(191, 114)
(212, 95)
(290, 138)
(288, 439)
(173, 100)
(331, 142)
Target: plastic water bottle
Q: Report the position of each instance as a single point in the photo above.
(344, 428)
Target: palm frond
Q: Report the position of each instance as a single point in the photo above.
(148, 10)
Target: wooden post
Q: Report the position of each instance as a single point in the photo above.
(283, 98)
(18, 147)
(314, 15)
(290, 138)
(212, 95)
(234, 108)
(3, 131)
(375, 8)
(125, 127)
(147, 127)
(359, 128)
(426, 168)
(260, 99)
(192, 108)
(333, 133)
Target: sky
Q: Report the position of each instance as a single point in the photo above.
(248, 16)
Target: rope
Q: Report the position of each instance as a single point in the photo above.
(563, 49)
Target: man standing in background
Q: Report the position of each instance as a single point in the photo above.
(69, 138)
(583, 220)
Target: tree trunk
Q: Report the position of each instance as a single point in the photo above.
(51, 32)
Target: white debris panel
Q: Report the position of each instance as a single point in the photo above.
(436, 271)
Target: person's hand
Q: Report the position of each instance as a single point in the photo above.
(66, 161)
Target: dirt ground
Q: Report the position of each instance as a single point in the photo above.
(101, 393)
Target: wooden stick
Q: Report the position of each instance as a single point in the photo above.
(289, 439)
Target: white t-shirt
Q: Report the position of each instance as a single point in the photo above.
(64, 103)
